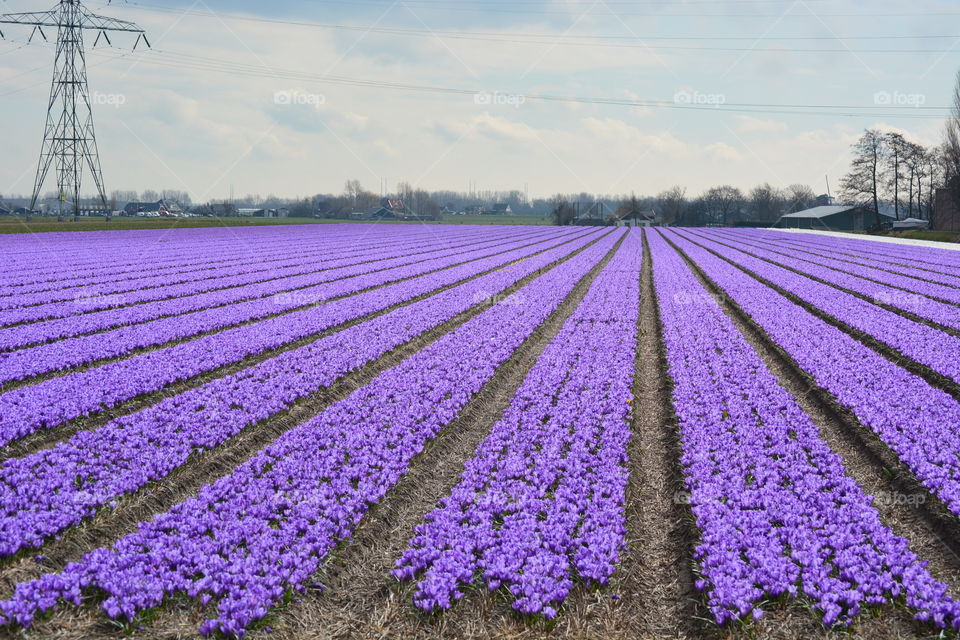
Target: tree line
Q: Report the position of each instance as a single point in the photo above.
(889, 169)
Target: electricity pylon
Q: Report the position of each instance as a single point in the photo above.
(69, 138)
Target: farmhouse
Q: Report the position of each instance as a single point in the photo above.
(628, 217)
(502, 210)
(374, 213)
(832, 218)
(262, 213)
(389, 209)
(161, 207)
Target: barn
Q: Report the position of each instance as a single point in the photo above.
(833, 218)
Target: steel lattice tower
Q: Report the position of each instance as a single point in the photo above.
(69, 140)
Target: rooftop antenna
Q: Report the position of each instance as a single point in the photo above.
(69, 138)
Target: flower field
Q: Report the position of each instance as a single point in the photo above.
(338, 431)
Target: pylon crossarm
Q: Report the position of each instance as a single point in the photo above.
(103, 23)
(86, 21)
(34, 19)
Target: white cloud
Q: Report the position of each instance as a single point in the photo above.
(723, 151)
(186, 125)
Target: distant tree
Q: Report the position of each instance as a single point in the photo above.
(723, 203)
(896, 159)
(766, 203)
(950, 150)
(862, 185)
(405, 192)
(915, 162)
(800, 197)
(302, 208)
(563, 212)
(359, 197)
(123, 197)
(671, 204)
(431, 210)
(935, 171)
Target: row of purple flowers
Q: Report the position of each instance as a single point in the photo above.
(541, 503)
(44, 493)
(777, 513)
(248, 538)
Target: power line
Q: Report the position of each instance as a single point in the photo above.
(554, 39)
(457, 7)
(197, 63)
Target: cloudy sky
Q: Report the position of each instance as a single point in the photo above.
(602, 96)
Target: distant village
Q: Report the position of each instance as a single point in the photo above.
(797, 206)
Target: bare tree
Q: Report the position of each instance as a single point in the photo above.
(862, 185)
(405, 191)
(766, 203)
(672, 203)
(800, 197)
(359, 197)
(935, 170)
(631, 206)
(951, 145)
(431, 210)
(563, 211)
(915, 161)
(898, 150)
(723, 202)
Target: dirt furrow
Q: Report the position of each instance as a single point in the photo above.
(660, 527)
